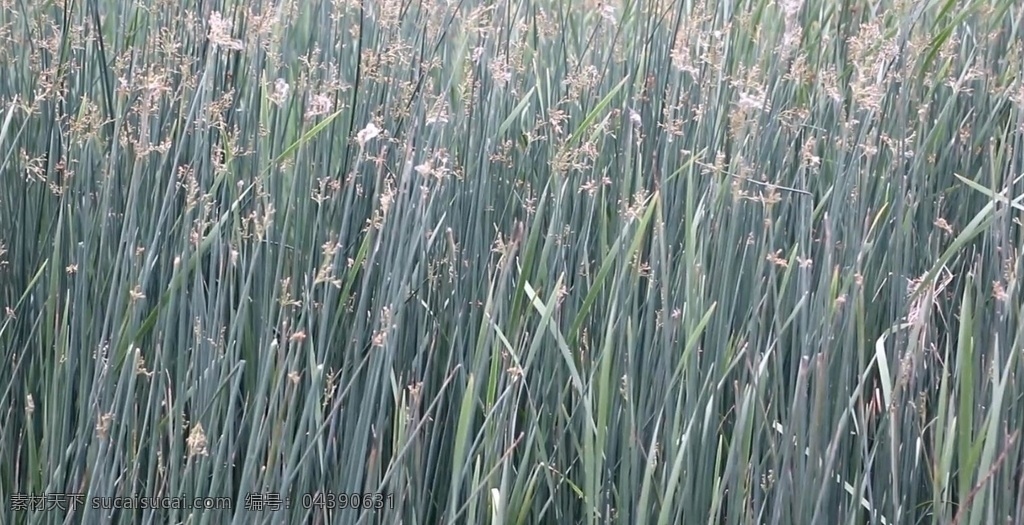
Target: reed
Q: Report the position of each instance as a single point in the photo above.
(517, 262)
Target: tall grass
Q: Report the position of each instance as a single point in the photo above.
(513, 262)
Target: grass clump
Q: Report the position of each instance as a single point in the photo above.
(511, 263)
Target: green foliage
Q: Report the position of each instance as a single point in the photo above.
(513, 263)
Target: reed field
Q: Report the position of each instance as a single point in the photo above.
(512, 262)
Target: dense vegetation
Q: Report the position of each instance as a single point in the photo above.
(518, 262)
